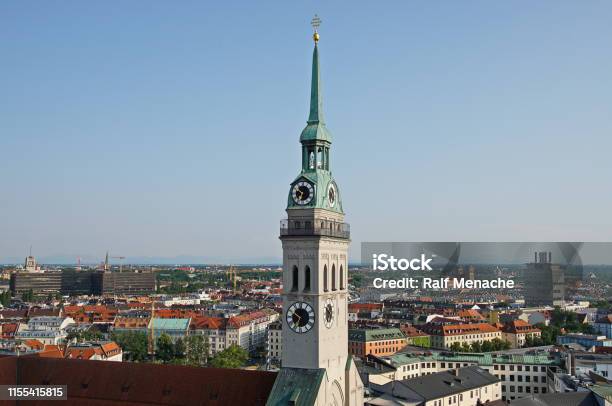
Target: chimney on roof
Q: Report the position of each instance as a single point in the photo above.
(455, 371)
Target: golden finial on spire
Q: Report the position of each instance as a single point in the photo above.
(316, 22)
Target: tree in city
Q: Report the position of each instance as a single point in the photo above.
(91, 334)
(28, 296)
(498, 344)
(5, 298)
(456, 347)
(133, 344)
(465, 347)
(233, 356)
(197, 349)
(179, 349)
(486, 346)
(476, 346)
(165, 348)
(533, 341)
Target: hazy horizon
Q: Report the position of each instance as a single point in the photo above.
(171, 129)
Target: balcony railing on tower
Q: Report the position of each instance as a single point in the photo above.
(326, 228)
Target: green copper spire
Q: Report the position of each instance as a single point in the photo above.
(316, 98)
(315, 129)
(315, 187)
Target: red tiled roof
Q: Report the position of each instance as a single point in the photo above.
(80, 353)
(246, 318)
(13, 314)
(51, 351)
(205, 322)
(519, 326)
(34, 344)
(411, 331)
(131, 322)
(470, 314)
(357, 307)
(175, 313)
(9, 329)
(102, 383)
(460, 329)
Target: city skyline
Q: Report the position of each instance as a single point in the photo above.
(155, 156)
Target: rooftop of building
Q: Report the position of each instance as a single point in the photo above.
(169, 324)
(296, 386)
(442, 384)
(582, 336)
(585, 398)
(519, 326)
(485, 359)
(103, 383)
(376, 334)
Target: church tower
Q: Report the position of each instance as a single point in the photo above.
(316, 368)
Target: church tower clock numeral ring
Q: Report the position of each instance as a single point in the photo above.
(328, 313)
(302, 193)
(331, 195)
(300, 317)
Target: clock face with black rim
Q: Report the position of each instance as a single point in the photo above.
(300, 317)
(328, 313)
(302, 193)
(331, 195)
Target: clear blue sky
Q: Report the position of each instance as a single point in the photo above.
(156, 128)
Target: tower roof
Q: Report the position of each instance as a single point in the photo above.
(316, 98)
(315, 129)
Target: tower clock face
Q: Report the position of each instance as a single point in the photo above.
(300, 317)
(302, 193)
(331, 195)
(328, 313)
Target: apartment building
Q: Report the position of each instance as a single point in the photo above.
(603, 326)
(516, 332)
(445, 335)
(586, 340)
(467, 386)
(213, 329)
(50, 330)
(275, 341)
(378, 341)
(248, 330)
(105, 351)
(520, 374)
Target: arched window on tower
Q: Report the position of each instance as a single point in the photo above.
(334, 277)
(341, 277)
(320, 158)
(294, 278)
(325, 288)
(307, 279)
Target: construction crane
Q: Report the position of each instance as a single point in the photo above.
(120, 258)
(231, 277)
